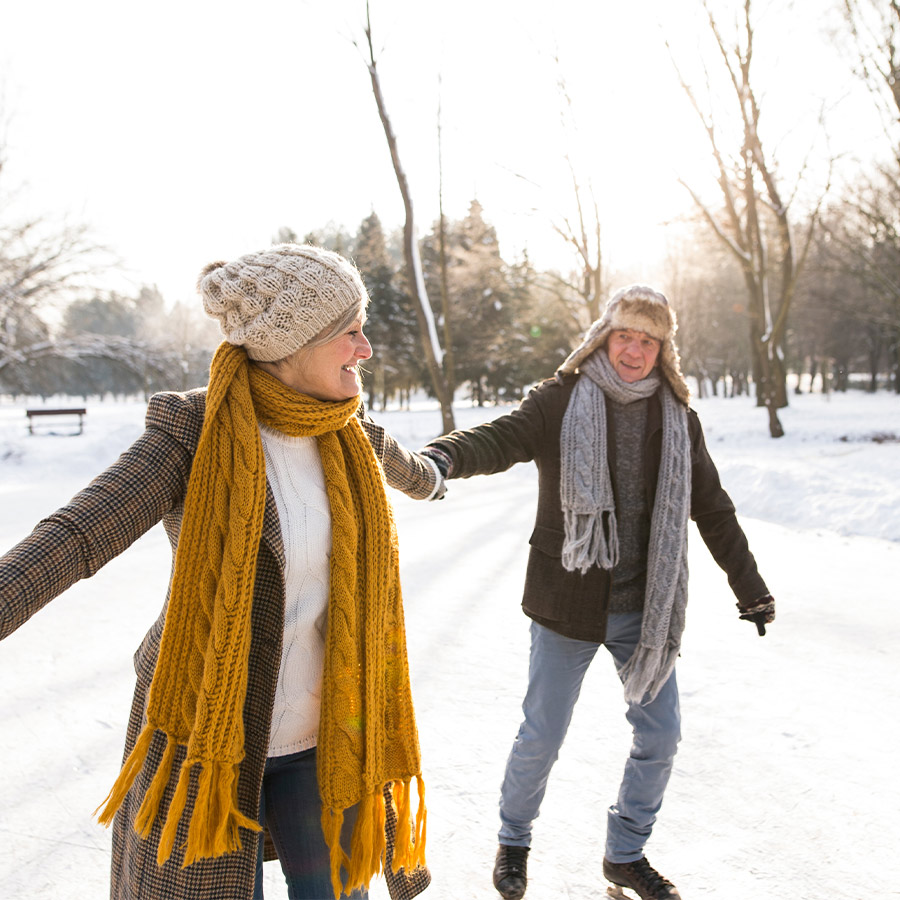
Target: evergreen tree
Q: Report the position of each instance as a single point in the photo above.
(391, 326)
(542, 332)
(481, 303)
(331, 237)
(114, 314)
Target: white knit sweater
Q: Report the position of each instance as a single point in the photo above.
(294, 471)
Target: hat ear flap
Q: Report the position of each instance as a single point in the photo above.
(669, 363)
(596, 337)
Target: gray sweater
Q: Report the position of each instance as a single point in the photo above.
(628, 578)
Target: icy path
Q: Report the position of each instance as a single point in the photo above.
(780, 786)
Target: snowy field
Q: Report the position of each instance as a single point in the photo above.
(786, 782)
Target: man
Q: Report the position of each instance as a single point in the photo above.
(622, 465)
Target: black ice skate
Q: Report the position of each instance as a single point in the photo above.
(640, 877)
(511, 871)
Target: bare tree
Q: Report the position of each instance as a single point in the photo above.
(41, 264)
(442, 241)
(875, 31)
(753, 221)
(434, 354)
(871, 225)
(580, 290)
(700, 272)
(582, 234)
(91, 364)
(863, 242)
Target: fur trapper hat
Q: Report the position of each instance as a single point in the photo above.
(275, 301)
(638, 308)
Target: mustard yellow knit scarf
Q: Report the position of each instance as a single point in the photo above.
(367, 732)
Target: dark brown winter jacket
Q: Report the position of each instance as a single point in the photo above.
(570, 603)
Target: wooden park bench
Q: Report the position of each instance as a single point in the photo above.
(31, 413)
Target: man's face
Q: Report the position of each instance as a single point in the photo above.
(633, 354)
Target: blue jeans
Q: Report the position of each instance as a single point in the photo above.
(291, 809)
(556, 670)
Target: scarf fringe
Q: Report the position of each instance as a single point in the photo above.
(409, 849)
(646, 671)
(332, 823)
(590, 540)
(149, 809)
(216, 819)
(130, 770)
(368, 846)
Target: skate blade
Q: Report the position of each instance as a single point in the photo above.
(619, 893)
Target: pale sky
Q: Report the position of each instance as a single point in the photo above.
(184, 132)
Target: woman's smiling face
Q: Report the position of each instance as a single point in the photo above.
(329, 371)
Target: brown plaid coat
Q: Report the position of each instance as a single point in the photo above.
(145, 485)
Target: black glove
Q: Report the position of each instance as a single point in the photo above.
(761, 612)
(439, 458)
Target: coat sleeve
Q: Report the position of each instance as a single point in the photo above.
(415, 475)
(714, 513)
(498, 445)
(102, 520)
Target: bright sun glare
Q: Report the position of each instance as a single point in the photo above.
(199, 159)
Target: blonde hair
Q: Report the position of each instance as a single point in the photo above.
(329, 333)
(339, 325)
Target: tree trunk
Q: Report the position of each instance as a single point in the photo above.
(449, 373)
(779, 371)
(424, 315)
(701, 384)
(767, 381)
(896, 367)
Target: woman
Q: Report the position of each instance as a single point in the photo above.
(272, 696)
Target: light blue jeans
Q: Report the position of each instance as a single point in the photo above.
(556, 670)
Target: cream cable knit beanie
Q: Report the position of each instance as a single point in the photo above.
(275, 301)
(639, 308)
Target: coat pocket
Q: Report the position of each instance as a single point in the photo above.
(547, 584)
(576, 603)
(547, 540)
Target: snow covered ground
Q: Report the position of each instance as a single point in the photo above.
(786, 782)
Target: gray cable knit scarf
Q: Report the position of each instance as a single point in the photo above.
(590, 517)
